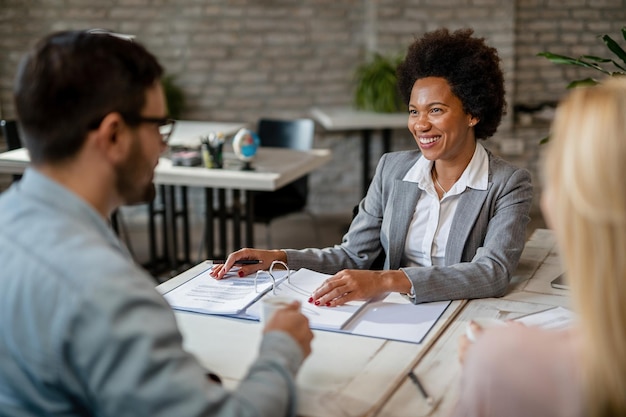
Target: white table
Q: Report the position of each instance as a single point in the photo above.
(345, 375)
(273, 168)
(350, 375)
(335, 119)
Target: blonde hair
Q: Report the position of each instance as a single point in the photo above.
(586, 179)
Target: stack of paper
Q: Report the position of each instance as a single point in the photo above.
(388, 316)
(228, 296)
(300, 286)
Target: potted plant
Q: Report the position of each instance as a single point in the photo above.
(613, 67)
(594, 62)
(377, 85)
(174, 96)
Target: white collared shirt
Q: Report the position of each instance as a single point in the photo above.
(428, 232)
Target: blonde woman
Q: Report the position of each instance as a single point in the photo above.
(517, 371)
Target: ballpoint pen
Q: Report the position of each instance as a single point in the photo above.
(241, 262)
(420, 388)
(248, 262)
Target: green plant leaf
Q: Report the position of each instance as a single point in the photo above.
(591, 61)
(596, 58)
(376, 88)
(566, 60)
(614, 47)
(174, 96)
(586, 82)
(557, 59)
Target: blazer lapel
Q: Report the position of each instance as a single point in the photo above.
(403, 200)
(467, 212)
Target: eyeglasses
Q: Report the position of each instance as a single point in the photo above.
(166, 125)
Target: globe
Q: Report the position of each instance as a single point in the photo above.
(245, 145)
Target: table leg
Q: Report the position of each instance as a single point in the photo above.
(386, 140)
(184, 213)
(236, 208)
(366, 135)
(366, 139)
(157, 261)
(209, 226)
(170, 225)
(221, 211)
(249, 218)
(152, 249)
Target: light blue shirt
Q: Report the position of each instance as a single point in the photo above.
(84, 332)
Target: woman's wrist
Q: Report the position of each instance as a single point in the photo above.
(279, 255)
(397, 281)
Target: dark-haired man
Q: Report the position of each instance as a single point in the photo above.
(82, 329)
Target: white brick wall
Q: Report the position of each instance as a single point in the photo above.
(238, 60)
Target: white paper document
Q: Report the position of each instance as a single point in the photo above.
(390, 316)
(556, 318)
(300, 286)
(228, 296)
(396, 318)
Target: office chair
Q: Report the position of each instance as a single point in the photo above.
(11, 135)
(297, 134)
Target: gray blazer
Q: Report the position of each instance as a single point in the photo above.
(484, 246)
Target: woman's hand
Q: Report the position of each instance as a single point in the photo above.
(264, 256)
(354, 284)
(474, 330)
(464, 341)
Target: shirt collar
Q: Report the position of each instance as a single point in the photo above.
(475, 176)
(49, 192)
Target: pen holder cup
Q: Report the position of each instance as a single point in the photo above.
(212, 156)
(272, 303)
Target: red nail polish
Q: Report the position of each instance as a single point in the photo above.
(240, 273)
(328, 304)
(317, 303)
(310, 299)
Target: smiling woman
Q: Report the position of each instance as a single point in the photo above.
(442, 130)
(449, 218)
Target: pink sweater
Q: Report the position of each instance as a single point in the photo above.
(522, 371)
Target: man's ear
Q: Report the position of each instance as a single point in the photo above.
(112, 137)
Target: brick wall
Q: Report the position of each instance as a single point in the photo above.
(238, 60)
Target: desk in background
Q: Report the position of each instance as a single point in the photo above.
(345, 118)
(274, 168)
(187, 134)
(349, 375)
